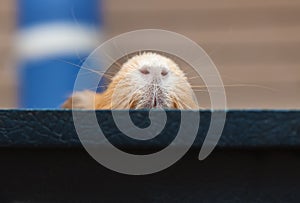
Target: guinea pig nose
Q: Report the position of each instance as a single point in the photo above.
(164, 72)
(144, 70)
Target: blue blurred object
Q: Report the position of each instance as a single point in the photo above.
(46, 83)
(54, 38)
(33, 12)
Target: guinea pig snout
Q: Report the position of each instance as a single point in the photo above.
(154, 72)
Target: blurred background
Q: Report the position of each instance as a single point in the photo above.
(251, 42)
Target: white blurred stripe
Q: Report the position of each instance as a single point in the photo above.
(56, 39)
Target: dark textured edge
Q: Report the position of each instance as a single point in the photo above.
(243, 129)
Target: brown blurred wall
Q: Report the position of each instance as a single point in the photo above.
(7, 80)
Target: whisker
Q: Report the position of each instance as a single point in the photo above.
(77, 23)
(112, 60)
(230, 85)
(120, 50)
(201, 91)
(237, 85)
(129, 96)
(85, 68)
(195, 77)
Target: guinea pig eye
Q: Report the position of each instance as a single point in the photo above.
(144, 71)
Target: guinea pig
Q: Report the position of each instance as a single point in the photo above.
(145, 81)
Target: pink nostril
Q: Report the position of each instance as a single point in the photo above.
(164, 72)
(144, 71)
